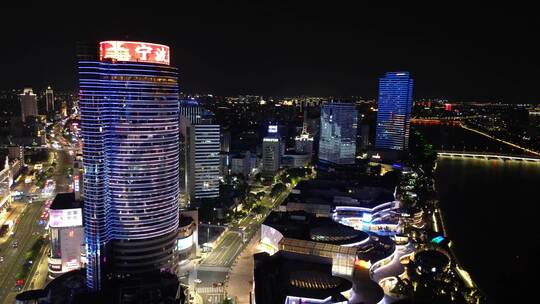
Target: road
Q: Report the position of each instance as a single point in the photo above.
(28, 227)
(26, 232)
(240, 283)
(226, 251)
(217, 264)
(231, 243)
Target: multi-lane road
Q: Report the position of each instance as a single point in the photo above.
(28, 227)
(26, 232)
(214, 269)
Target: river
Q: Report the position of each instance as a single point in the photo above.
(490, 209)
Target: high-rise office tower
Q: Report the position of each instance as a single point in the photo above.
(201, 147)
(129, 125)
(226, 141)
(271, 152)
(364, 136)
(394, 111)
(191, 111)
(304, 141)
(49, 101)
(28, 104)
(337, 143)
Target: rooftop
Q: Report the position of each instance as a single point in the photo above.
(338, 192)
(70, 287)
(305, 226)
(289, 274)
(65, 201)
(184, 221)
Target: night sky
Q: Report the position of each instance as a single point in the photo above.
(458, 53)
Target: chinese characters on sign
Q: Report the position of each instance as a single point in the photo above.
(134, 51)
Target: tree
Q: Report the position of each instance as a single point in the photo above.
(258, 209)
(422, 153)
(250, 200)
(277, 189)
(287, 180)
(260, 195)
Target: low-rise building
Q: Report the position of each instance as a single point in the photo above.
(295, 160)
(293, 278)
(66, 235)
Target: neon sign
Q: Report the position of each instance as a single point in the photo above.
(134, 51)
(272, 129)
(437, 240)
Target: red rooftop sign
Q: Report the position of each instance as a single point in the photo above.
(134, 51)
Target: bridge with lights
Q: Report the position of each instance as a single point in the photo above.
(487, 155)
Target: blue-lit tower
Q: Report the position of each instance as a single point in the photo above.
(337, 143)
(394, 111)
(129, 124)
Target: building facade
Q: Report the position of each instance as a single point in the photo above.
(337, 143)
(364, 136)
(49, 101)
(6, 180)
(28, 104)
(66, 235)
(244, 164)
(271, 153)
(394, 111)
(201, 146)
(295, 160)
(304, 141)
(129, 126)
(204, 161)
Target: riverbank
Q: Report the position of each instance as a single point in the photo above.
(488, 210)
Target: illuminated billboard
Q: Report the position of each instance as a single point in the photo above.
(65, 218)
(185, 243)
(134, 51)
(272, 129)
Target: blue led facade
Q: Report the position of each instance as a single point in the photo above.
(394, 111)
(129, 125)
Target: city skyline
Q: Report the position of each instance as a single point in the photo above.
(265, 152)
(290, 50)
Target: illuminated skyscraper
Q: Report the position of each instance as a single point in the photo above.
(394, 111)
(337, 143)
(28, 104)
(49, 101)
(304, 141)
(201, 148)
(129, 125)
(271, 152)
